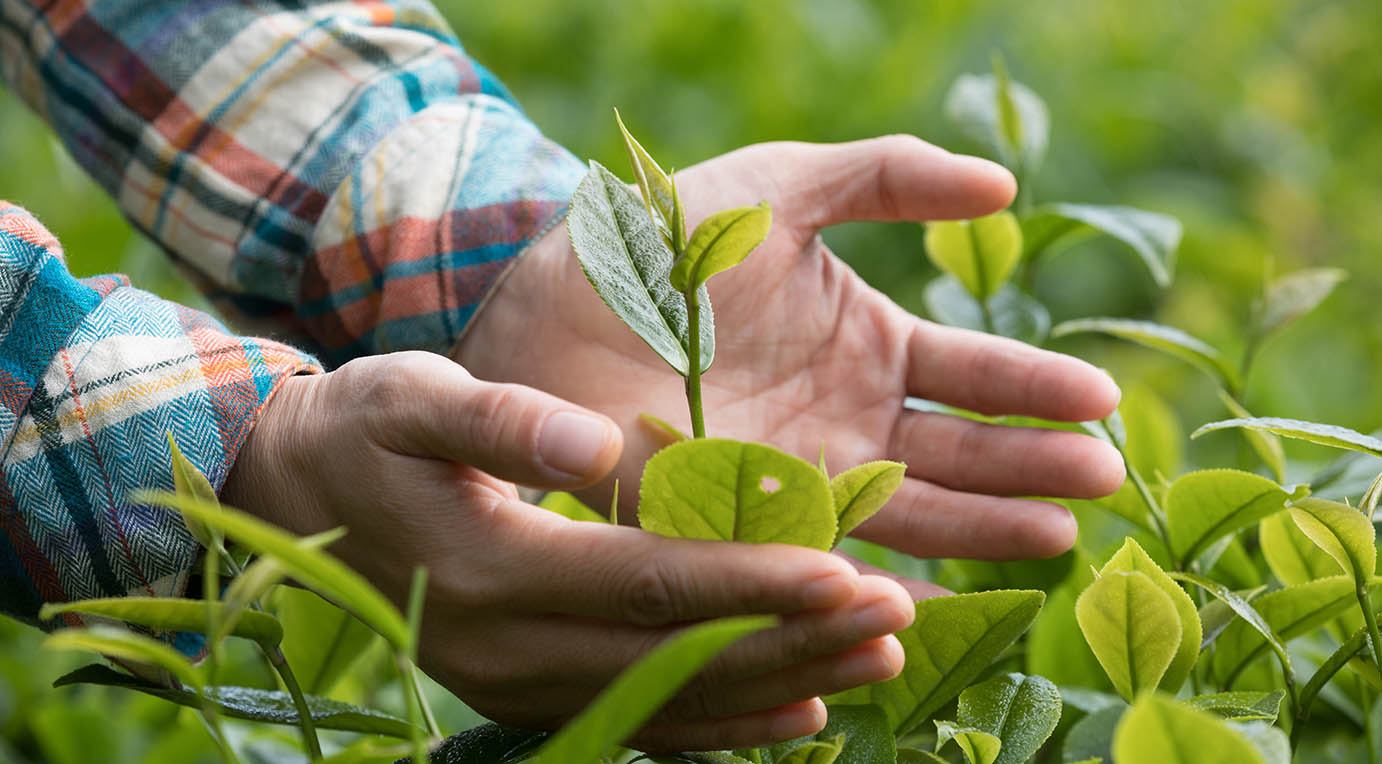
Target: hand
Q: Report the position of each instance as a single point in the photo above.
(529, 615)
(807, 353)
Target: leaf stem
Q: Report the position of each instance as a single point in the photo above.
(1153, 506)
(309, 727)
(693, 367)
(1370, 618)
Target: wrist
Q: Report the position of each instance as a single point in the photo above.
(262, 479)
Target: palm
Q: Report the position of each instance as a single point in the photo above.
(810, 356)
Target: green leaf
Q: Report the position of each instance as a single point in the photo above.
(1132, 558)
(667, 433)
(861, 491)
(1050, 650)
(1168, 340)
(1270, 742)
(642, 689)
(1245, 611)
(1089, 701)
(1242, 706)
(1021, 711)
(951, 641)
(719, 243)
(488, 744)
(1154, 237)
(1204, 506)
(1292, 296)
(627, 261)
(367, 751)
(1323, 434)
(1157, 730)
(1010, 127)
(252, 704)
(981, 252)
(972, 105)
(314, 568)
(868, 739)
(1013, 313)
(979, 747)
(728, 490)
(1267, 445)
(1355, 644)
(654, 184)
(1290, 612)
(1092, 736)
(819, 752)
(569, 506)
(1342, 532)
(167, 614)
(1133, 628)
(189, 481)
(322, 642)
(1292, 556)
(127, 646)
(917, 756)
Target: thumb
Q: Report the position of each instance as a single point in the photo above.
(895, 177)
(512, 432)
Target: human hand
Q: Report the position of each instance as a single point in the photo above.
(809, 354)
(529, 615)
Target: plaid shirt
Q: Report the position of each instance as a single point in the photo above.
(339, 174)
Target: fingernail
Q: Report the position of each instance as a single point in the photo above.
(572, 443)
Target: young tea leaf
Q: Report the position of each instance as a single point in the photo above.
(1292, 556)
(1173, 342)
(1342, 532)
(1290, 612)
(719, 243)
(728, 490)
(643, 688)
(1011, 312)
(1204, 506)
(666, 432)
(1131, 557)
(951, 641)
(1158, 730)
(1323, 434)
(861, 491)
(653, 183)
(1154, 237)
(167, 614)
(981, 252)
(1242, 706)
(1021, 711)
(627, 261)
(189, 481)
(979, 747)
(1292, 296)
(1010, 127)
(129, 647)
(1133, 627)
(1250, 616)
(570, 507)
(819, 752)
(1271, 743)
(972, 105)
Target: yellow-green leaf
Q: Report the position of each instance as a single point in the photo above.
(1133, 627)
(979, 747)
(1203, 507)
(127, 646)
(569, 506)
(719, 243)
(1290, 612)
(981, 252)
(1342, 532)
(166, 614)
(1314, 432)
(1158, 730)
(861, 491)
(189, 481)
(1292, 556)
(1132, 557)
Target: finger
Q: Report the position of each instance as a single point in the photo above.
(877, 660)
(1008, 461)
(895, 177)
(435, 408)
(996, 375)
(931, 521)
(916, 588)
(746, 731)
(625, 574)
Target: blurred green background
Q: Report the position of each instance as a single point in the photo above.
(1253, 121)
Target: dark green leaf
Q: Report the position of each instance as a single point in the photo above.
(487, 744)
(167, 614)
(1021, 711)
(1158, 730)
(1168, 340)
(627, 261)
(642, 689)
(1092, 736)
(728, 490)
(972, 105)
(981, 252)
(1242, 706)
(1013, 312)
(949, 643)
(270, 707)
(1204, 506)
(1323, 434)
(1089, 701)
(1292, 296)
(719, 243)
(1152, 235)
(861, 491)
(1355, 644)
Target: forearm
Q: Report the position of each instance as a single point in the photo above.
(346, 160)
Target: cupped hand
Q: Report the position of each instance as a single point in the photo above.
(529, 615)
(807, 353)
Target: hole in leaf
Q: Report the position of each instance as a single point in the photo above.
(769, 484)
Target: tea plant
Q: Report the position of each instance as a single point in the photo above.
(1230, 609)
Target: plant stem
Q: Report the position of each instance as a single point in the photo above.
(1370, 618)
(309, 727)
(1153, 506)
(693, 367)
(212, 722)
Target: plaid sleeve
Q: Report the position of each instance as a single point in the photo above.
(93, 373)
(342, 168)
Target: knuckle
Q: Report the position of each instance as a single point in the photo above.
(649, 597)
(695, 702)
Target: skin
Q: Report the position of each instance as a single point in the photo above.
(529, 615)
